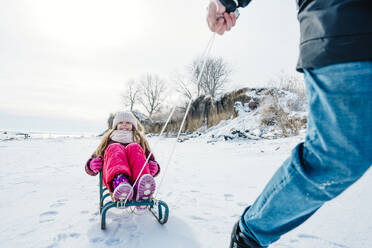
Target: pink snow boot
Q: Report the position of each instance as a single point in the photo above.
(145, 189)
(122, 188)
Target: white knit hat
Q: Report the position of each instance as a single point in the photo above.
(124, 116)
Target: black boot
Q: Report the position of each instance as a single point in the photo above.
(239, 240)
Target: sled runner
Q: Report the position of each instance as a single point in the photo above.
(158, 208)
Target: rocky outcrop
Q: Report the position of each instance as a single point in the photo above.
(206, 111)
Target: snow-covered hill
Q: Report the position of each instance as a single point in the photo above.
(269, 114)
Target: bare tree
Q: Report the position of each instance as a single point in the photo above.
(131, 94)
(215, 75)
(184, 86)
(152, 92)
(194, 70)
(291, 82)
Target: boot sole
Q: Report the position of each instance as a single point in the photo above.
(122, 191)
(146, 188)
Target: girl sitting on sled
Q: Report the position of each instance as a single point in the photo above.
(121, 156)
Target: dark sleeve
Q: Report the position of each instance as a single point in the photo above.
(87, 168)
(231, 4)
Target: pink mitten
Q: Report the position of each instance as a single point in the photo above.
(154, 168)
(96, 164)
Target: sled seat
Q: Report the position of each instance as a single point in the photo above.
(158, 208)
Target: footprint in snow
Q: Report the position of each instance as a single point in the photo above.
(60, 237)
(329, 243)
(74, 235)
(242, 204)
(229, 197)
(97, 240)
(48, 216)
(58, 203)
(112, 242)
(63, 236)
(26, 233)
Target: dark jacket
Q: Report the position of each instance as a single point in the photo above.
(332, 31)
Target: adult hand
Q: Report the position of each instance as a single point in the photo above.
(96, 164)
(218, 19)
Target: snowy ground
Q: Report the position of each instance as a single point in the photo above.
(47, 200)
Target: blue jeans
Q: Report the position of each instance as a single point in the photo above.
(336, 152)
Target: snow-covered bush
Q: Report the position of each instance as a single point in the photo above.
(269, 113)
(284, 109)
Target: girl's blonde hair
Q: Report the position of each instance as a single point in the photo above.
(138, 136)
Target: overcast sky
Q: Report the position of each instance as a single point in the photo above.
(64, 64)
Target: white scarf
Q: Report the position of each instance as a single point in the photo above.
(122, 136)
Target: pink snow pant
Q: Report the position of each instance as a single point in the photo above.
(123, 160)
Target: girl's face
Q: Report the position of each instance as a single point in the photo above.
(125, 125)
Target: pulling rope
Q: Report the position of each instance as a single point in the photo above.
(204, 56)
(148, 157)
